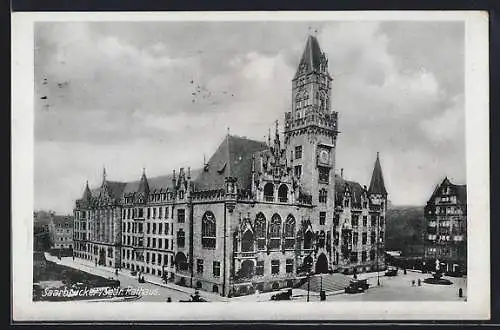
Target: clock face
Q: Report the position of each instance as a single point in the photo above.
(324, 156)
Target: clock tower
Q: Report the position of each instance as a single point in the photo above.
(311, 127)
(311, 133)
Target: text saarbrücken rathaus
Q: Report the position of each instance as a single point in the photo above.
(256, 216)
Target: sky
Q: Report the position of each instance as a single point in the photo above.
(124, 95)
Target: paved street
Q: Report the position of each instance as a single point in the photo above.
(127, 281)
(397, 288)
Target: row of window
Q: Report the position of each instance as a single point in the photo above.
(151, 228)
(154, 243)
(215, 267)
(158, 197)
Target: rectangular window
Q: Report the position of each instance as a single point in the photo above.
(374, 220)
(149, 212)
(322, 218)
(354, 220)
(365, 220)
(160, 228)
(181, 214)
(153, 258)
(275, 266)
(289, 266)
(148, 242)
(154, 212)
(160, 243)
(154, 243)
(160, 212)
(298, 171)
(199, 266)
(147, 257)
(180, 238)
(346, 202)
(148, 228)
(323, 174)
(216, 268)
(159, 259)
(154, 228)
(298, 152)
(259, 269)
(363, 256)
(364, 238)
(166, 212)
(355, 239)
(166, 228)
(354, 256)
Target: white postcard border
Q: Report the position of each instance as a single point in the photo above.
(477, 154)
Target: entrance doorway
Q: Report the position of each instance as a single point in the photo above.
(322, 264)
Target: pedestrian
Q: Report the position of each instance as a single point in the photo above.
(116, 271)
(404, 270)
(419, 282)
(460, 292)
(169, 299)
(412, 282)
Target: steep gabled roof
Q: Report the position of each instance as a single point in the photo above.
(116, 188)
(354, 187)
(459, 190)
(311, 56)
(232, 158)
(377, 185)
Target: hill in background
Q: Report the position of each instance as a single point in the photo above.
(405, 229)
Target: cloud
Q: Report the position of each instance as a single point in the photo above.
(139, 95)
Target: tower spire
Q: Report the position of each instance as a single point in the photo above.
(377, 185)
(103, 174)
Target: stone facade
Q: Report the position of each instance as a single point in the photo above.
(256, 216)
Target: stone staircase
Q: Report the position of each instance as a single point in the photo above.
(331, 282)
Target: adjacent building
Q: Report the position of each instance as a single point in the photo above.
(257, 216)
(446, 231)
(61, 232)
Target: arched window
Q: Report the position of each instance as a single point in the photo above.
(283, 193)
(308, 240)
(247, 241)
(290, 232)
(275, 232)
(269, 192)
(247, 269)
(323, 196)
(215, 288)
(260, 231)
(208, 230)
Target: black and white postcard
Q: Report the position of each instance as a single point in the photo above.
(250, 166)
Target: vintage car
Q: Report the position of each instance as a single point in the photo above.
(391, 272)
(285, 295)
(357, 286)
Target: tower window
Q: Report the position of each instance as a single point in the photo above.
(298, 152)
(323, 174)
(298, 171)
(323, 196)
(322, 218)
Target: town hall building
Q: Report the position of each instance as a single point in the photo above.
(256, 216)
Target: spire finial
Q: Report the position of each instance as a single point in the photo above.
(269, 137)
(144, 171)
(103, 173)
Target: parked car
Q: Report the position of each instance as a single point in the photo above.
(285, 295)
(391, 272)
(357, 286)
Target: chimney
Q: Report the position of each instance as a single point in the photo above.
(342, 173)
